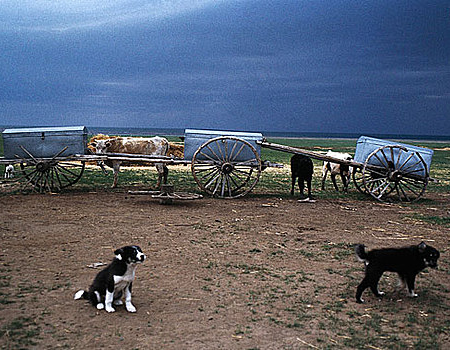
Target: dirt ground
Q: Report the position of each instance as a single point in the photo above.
(253, 273)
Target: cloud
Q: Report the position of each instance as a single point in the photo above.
(68, 15)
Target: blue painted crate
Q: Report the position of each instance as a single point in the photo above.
(195, 138)
(366, 145)
(44, 142)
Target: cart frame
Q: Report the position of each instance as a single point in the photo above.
(388, 174)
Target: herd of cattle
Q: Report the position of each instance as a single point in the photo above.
(302, 168)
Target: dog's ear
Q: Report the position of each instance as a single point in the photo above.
(119, 253)
(422, 246)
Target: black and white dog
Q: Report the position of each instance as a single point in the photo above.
(406, 261)
(115, 281)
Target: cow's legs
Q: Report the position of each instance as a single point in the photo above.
(293, 185)
(308, 182)
(163, 172)
(324, 175)
(116, 168)
(345, 181)
(333, 178)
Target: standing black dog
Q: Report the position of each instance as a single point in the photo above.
(115, 281)
(407, 262)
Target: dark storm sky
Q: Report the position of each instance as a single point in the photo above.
(306, 66)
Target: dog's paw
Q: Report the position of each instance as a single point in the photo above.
(100, 306)
(109, 309)
(130, 307)
(413, 295)
(360, 301)
(380, 294)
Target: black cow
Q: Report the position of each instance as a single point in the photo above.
(302, 168)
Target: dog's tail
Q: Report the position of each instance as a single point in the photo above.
(360, 251)
(81, 294)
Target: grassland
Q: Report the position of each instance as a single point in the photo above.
(273, 181)
(244, 274)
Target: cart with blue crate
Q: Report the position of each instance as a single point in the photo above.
(44, 157)
(389, 171)
(225, 164)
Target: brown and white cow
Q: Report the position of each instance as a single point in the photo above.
(156, 146)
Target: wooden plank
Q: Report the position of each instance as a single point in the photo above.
(311, 154)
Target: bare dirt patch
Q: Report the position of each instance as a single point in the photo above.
(254, 273)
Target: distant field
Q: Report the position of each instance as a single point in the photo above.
(273, 181)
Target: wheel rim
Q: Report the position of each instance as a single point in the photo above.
(357, 175)
(226, 167)
(392, 173)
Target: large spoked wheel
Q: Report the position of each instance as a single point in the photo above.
(226, 167)
(391, 173)
(51, 176)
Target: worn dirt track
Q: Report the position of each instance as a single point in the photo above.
(253, 273)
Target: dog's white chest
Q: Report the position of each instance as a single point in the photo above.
(121, 282)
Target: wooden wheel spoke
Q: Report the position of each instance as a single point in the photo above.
(213, 153)
(210, 179)
(400, 151)
(411, 182)
(238, 152)
(248, 162)
(223, 180)
(388, 162)
(244, 171)
(210, 172)
(242, 176)
(66, 170)
(219, 148)
(416, 171)
(207, 156)
(374, 180)
(376, 189)
(406, 161)
(234, 181)
(217, 185)
(225, 142)
(413, 187)
(230, 156)
(411, 166)
(230, 190)
(379, 173)
(383, 191)
(59, 185)
(380, 160)
(402, 191)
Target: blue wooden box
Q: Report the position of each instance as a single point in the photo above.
(194, 138)
(44, 142)
(366, 145)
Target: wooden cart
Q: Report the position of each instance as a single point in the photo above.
(224, 164)
(386, 170)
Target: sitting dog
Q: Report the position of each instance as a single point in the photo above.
(115, 281)
(407, 262)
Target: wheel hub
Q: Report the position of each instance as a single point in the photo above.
(42, 166)
(227, 168)
(395, 176)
